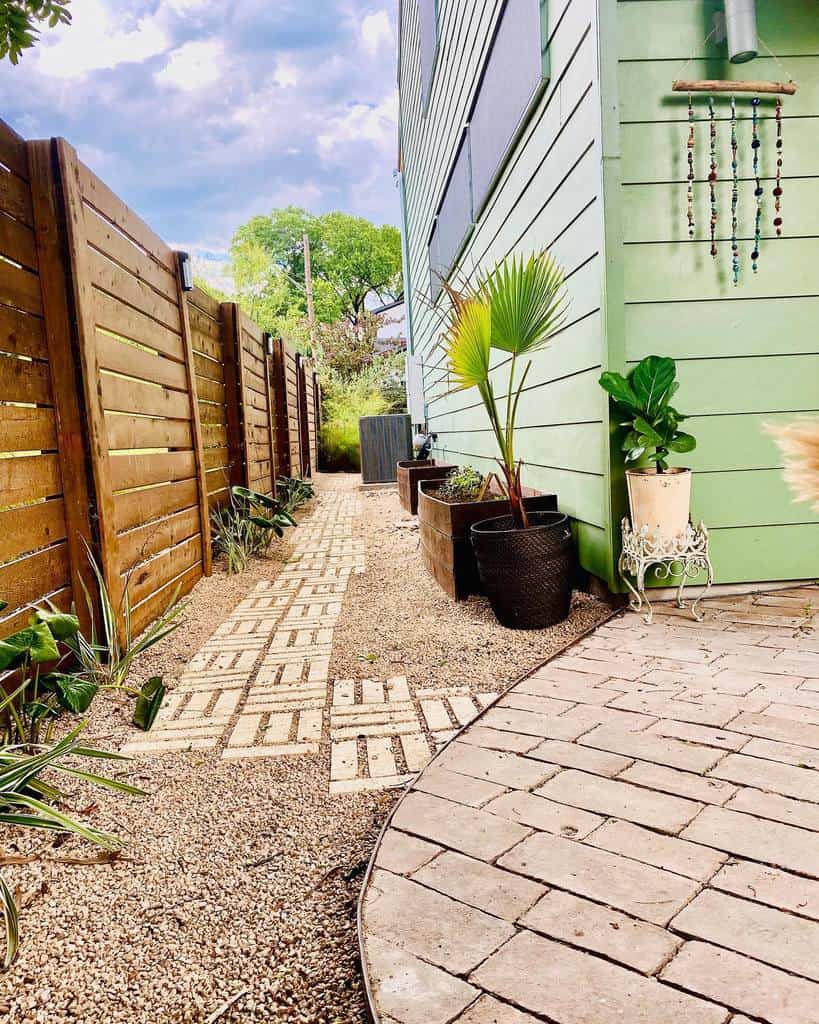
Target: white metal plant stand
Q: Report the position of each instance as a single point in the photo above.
(681, 558)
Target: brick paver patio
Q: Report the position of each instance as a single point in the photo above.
(629, 835)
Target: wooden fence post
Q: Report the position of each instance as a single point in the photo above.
(230, 343)
(271, 417)
(65, 383)
(196, 426)
(71, 201)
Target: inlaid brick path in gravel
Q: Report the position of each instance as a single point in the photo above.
(629, 835)
(260, 686)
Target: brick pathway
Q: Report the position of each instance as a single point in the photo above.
(629, 835)
(259, 687)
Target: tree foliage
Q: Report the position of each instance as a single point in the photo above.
(19, 23)
(350, 257)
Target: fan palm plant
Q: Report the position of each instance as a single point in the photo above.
(517, 307)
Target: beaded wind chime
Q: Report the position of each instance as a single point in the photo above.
(713, 87)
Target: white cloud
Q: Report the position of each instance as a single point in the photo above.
(96, 41)
(376, 31)
(286, 74)
(194, 65)
(362, 123)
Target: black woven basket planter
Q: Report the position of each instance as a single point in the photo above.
(526, 574)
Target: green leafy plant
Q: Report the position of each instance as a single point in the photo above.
(245, 528)
(643, 401)
(516, 308)
(27, 801)
(464, 483)
(40, 693)
(105, 660)
(293, 492)
(18, 28)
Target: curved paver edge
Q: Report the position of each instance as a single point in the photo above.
(369, 1000)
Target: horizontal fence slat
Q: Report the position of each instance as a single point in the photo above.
(157, 604)
(113, 315)
(28, 478)
(62, 599)
(21, 289)
(17, 242)
(13, 150)
(210, 391)
(214, 435)
(23, 530)
(103, 236)
(151, 576)
(112, 279)
(27, 579)
(129, 471)
(204, 302)
(144, 542)
(24, 381)
(26, 430)
(133, 508)
(15, 197)
(216, 457)
(208, 369)
(22, 333)
(122, 395)
(125, 431)
(124, 357)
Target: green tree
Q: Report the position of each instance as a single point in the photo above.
(18, 23)
(350, 257)
(357, 258)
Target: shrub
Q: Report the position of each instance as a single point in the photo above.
(244, 529)
(292, 492)
(345, 401)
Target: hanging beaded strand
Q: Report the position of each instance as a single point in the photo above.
(712, 176)
(778, 189)
(691, 142)
(755, 146)
(734, 191)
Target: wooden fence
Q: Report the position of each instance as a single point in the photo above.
(128, 407)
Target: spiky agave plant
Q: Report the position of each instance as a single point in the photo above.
(516, 308)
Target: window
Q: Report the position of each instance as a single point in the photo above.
(513, 79)
(453, 222)
(428, 17)
(515, 74)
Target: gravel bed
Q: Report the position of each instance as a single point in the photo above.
(235, 898)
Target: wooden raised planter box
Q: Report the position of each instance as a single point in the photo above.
(410, 473)
(446, 548)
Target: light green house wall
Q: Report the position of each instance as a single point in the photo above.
(596, 176)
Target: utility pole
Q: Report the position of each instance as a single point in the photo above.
(308, 287)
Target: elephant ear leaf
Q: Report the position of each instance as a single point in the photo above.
(74, 693)
(62, 625)
(35, 641)
(149, 702)
(619, 389)
(3, 605)
(651, 379)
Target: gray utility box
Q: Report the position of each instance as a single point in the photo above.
(384, 441)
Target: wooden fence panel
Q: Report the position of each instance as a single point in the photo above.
(215, 389)
(139, 375)
(258, 414)
(312, 418)
(35, 562)
(278, 390)
(291, 388)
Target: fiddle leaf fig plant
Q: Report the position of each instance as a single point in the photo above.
(643, 401)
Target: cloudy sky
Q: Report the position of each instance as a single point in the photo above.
(201, 113)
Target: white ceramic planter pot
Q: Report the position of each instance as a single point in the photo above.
(659, 501)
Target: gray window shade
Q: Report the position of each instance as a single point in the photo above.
(429, 41)
(454, 220)
(511, 79)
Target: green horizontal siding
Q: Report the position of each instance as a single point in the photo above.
(748, 355)
(547, 196)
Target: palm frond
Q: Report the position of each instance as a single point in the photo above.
(467, 343)
(528, 302)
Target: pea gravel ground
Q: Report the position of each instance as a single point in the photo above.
(234, 900)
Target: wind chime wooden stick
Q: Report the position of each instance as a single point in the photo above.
(726, 85)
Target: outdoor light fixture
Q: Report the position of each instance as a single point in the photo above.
(267, 338)
(185, 271)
